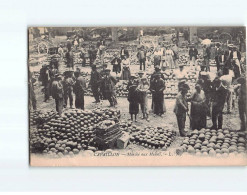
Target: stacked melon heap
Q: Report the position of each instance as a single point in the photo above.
(38, 117)
(70, 133)
(213, 142)
(153, 137)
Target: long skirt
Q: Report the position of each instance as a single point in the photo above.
(116, 68)
(198, 116)
(125, 74)
(170, 62)
(79, 101)
(133, 107)
(158, 103)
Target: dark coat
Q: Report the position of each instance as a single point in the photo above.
(95, 78)
(116, 62)
(193, 53)
(126, 52)
(219, 97)
(238, 54)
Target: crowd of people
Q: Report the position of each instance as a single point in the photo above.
(208, 100)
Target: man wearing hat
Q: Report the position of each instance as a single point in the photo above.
(69, 58)
(219, 94)
(116, 62)
(133, 97)
(83, 57)
(206, 56)
(241, 91)
(193, 53)
(205, 82)
(79, 90)
(157, 70)
(236, 57)
(180, 109)
(181, 76)
(46, 82)
(227, 58)
(94, 82)
(32, 96)
(124, 52)
(141, 55)
(58, 93)
(218, 56)
(102, 74)
(68, 84)
(157, 86)
(109, 83)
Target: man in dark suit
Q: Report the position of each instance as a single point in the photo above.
(218, 99)
(124, 52)
(227, 59)
(218, 56)
(193, 56)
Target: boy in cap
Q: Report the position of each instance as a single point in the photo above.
(133, 97)
(180, 109)
(142, 89)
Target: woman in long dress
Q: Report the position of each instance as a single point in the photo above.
(198, 109)
(125, 69)
(169, 54)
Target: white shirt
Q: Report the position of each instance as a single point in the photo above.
(226, 80)
(235, 55)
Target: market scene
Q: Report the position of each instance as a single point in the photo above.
(172, 90)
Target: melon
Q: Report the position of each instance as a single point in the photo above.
(212, 152)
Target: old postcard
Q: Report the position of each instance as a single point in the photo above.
(137, 96)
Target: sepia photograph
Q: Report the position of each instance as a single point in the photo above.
(137, 96)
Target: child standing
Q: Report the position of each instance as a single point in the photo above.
(133, 97)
